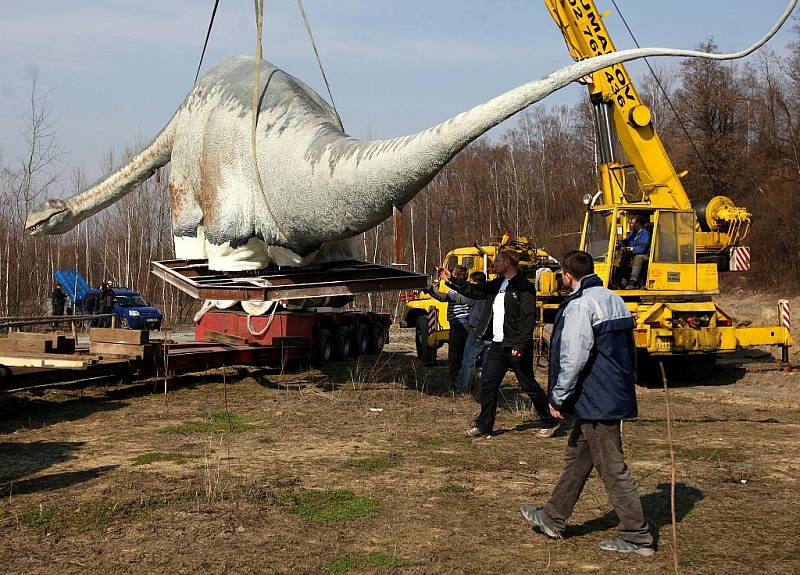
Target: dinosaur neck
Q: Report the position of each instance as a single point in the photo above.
(109, 189)
(399, 168)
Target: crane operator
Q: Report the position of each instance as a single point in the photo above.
(637, 243)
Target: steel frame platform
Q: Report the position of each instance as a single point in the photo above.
(350, 277)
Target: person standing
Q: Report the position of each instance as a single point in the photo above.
(508, 321)
(105, 301)
(457, 318)
(593, 378)
(474, 346)
(57, 300)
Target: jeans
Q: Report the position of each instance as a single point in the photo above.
(472, 351)
(598, 444)
(497, 362)
(456, 341)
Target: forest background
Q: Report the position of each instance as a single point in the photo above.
(737, 132)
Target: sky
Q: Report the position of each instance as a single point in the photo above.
(114, 71)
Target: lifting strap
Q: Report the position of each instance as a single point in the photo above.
(319, 61)
(205, 44)
(259, 6)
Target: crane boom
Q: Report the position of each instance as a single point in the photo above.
(586, 36)
(618, 109)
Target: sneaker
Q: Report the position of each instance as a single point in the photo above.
(475, 432)
(537, 516)
(549, 431)
(621, 546)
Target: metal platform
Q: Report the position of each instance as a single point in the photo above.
(330, 279)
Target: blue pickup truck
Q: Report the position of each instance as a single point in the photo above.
(130, 308)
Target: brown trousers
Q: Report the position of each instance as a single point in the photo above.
(598, 444)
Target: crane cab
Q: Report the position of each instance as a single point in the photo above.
(671, 264)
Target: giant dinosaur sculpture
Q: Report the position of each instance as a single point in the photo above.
(318, 186)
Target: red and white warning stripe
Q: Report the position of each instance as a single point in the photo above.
(740, 259)
(784, 313)
(433, 320)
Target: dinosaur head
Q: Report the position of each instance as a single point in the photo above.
(50, 217)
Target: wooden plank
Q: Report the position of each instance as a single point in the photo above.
(11, 345)
(122, 336)
(70, 361)
(226, 338)
(33, 335)
(125, 350)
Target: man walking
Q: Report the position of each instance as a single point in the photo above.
(592, 377)
(507, 322)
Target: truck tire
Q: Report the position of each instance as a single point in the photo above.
(425, 353)
(377, 337)
(341, 343)
(360, 343)
(323, 350)
(123, 323)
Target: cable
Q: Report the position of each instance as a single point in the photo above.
(205, 44)
(666, 96)
(319, 61)
(259, 6)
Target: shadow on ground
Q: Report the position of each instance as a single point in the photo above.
(656, 507)
(53, 481)
(21, 459)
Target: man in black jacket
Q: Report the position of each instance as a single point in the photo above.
(105, 300)
(508, 322)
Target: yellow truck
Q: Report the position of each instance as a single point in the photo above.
(677, 320)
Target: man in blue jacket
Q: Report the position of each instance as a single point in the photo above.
(592, 377)
(638, 241)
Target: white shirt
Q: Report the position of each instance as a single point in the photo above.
(499, 313)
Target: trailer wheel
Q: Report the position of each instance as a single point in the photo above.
(426, 354)
(377, 338)
(360, 343)
(687, 369)
(5, 374)
(341, 343)
(324, 347)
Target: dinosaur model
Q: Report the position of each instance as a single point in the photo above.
(316, 187)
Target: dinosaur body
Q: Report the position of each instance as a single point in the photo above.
(319, 187)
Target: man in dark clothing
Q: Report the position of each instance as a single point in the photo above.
(508, 322)
(106, 302)
(593, 377)
(475, 344)
(57, 300)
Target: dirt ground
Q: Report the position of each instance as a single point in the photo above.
(362, 468)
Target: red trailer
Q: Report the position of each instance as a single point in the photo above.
(314, 334)
(319, 329)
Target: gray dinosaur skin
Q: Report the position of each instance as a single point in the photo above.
(320, 186)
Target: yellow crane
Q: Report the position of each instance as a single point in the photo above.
(677, 319)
